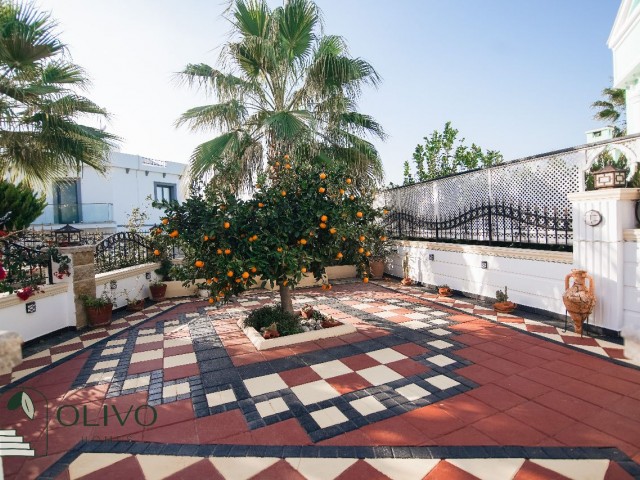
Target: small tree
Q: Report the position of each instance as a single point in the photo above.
(612, 109)
(20, 205)
(441, 155)
(303, 216)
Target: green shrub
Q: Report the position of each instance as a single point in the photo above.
(288, 323)
(23, 203)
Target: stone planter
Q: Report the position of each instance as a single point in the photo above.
(377, 268)
(158, 291)
(341, 271)
(504, 307)
(99, 316)
(175, 289)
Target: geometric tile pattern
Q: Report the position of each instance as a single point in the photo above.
(233, 462)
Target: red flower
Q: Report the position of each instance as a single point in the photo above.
(25, 293)
(3, 272)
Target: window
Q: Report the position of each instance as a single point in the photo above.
(66, 196)
(165, 192)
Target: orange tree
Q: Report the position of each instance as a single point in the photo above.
(303, 216)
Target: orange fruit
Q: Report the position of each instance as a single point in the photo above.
(219, 251)
(323, 176)
(210, 300)
(323, 225)
(323, 218)
(287, 166)
(227, 251)
(344, 239)
(260, 205)
(238, 280)
(283, 193)
(303, 241)
(339, 255)
(348, 180)
(383, 238)
(332, 231)
(158, 231)
(165, 221)
(174, 234)
(361, 250)
(277, 164)
(230, 273)
(258, 185)
(215, 279)
(206, 238)
(303, 270)
(245, 275)
(286, 157)
(253, 269)
(342, 191)
(321, 190)
(352, 198)
(156, 252)
(209, 281)
(227, 224)
(359, 214)
(199, 264)
(285, 283)
(368, 253)
(279, 249)
(362, 238)
(385, 211)
(365, 279)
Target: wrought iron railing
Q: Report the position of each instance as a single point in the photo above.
(497, 223)
(121, 250)
(25, 266)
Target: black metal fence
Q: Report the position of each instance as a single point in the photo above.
(25, 266)
(496, 223)
(121, 250)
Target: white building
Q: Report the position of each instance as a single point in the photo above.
(624, 41)
(93, 201)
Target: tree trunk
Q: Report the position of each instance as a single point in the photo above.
(285, 298)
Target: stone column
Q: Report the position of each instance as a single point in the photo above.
(599, 249)
(83, 279)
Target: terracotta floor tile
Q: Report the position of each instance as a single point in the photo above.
(501, 365)
(127, 468)
(408, 367)
(359, 362)
(532, 471)
(523, 386)
(479, 374)
(330, 342)
(433, 420)
(299, 376)
(247, 359)
(467, 408)
(349, 382)
(568, 405)
(541, 418)
(615, 352)
(494, 348)
(202, 469)
(144, 347)
(186, 433)
(445, 471)
(508, 431)
(474, 354)
(396, 431)
(361, 470)
(570, 340)
(182, 371)
(548, 353)
(147, 366)
(411, 349)
(590, 393)
(288, 432)
(171, 351)
(618, 426)
(215, 428)
(497, 397)
(279, 471)
(465, 436)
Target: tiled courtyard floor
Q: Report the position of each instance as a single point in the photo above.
(426, 388)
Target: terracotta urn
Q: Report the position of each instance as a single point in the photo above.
(505, 307)
(445, 292)
(406, 281)
(579, 298)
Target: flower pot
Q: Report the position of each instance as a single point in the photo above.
(406, 281)
(579, 298)
(445, 292)
(158, 292)
(99, 316)
(504, 307)
(135, 306)
(377, 268)
(330, 323)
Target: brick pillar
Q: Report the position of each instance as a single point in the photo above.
(83, 278)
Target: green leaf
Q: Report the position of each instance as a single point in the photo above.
(15, 401)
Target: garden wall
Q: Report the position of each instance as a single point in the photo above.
(535, 278)
(130, 281)
(51, 312)
(632, 277)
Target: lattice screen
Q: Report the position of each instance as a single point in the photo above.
(543, 182)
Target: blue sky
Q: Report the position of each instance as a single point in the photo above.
(512, 75)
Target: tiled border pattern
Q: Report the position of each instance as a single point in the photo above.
(340, 462)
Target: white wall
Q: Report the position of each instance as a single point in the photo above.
(131, 279)
(531, 281)
(632, 283)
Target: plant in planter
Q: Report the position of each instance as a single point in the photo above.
(503, 304)
(158, 290)
(380, 249)
(99, 309)
(265, 318)
(406, 280)
(134, 303)
(444, 290)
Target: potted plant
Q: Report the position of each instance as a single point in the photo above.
(380, 249)
(444, 290)
(406, 280)
(158, 290)
(134, 304)
(98, 309)
(503, 305)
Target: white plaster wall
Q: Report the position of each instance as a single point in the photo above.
(52, 313)
(534, 283)
(131, 279)
(632, 284)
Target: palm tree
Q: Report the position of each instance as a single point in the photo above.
(612, 109)
(40, 136)
(288, 87)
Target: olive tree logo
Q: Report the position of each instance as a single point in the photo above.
(11, 443)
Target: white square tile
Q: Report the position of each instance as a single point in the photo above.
(271, 407)
(176, 342)
(379, 375)
(146, 356)
(361, 306)
(441, 344)
(334, 368)
(405, 304)
(115, 343)
(171, 323)
(101, 377)
(386, 355)
(413, 392)
(438, 313)
(417, 316)
(265, 384)
(441, 360)
(367, 405)
(387, 314)
(423, 309)
(156, 337)
(112, 351)
(176, 389)
(136, 382)
(389, 307)
(328, 417)
(220, 398)
(438, 321)
(441, 332)
(414, 324)
(442, 382)
(314, 392)
(179, 360)
(106, 364)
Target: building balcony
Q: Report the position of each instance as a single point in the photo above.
(76, 213)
